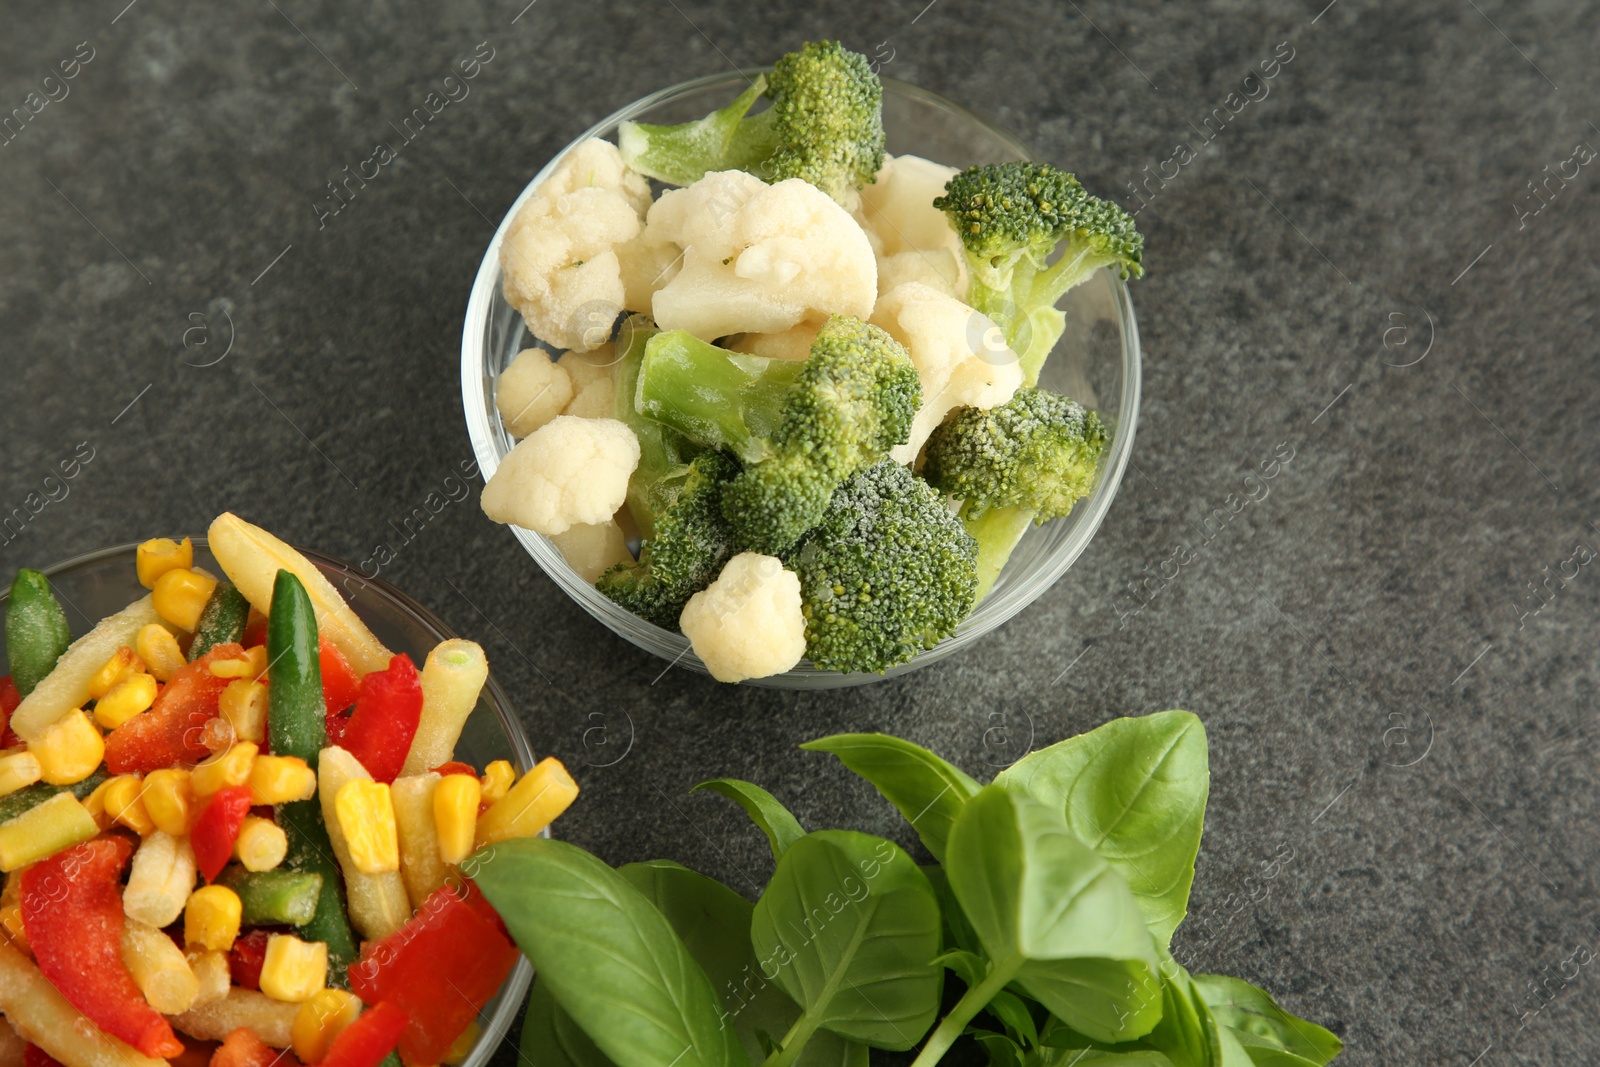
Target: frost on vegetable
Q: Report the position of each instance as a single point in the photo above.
(532, 390)
(594, 382)
(912, 239)
(567, 472)
(748, 623)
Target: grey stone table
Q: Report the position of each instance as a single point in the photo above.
(1380, 260)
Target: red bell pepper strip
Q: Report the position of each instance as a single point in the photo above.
(246, 958)
(455, 766)
(217, 828)
(388, 709)
(339, 680)
(72, 911)
(9, 700)
(173, 730)
(242, 1048)
(440, 968)
(34, 1056)
(365, 1042)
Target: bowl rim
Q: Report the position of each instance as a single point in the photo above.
(514, 990)
(479, 414)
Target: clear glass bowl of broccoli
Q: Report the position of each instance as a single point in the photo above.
(1096, 362)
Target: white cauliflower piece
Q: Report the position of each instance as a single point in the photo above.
(594, 382)
(567, 472)
(961, 356)
(646, 266)
(913, 239)
(532, 391)
(759, 258)
(748, 623)
(793, 343)
(592, 549)
(559, 257)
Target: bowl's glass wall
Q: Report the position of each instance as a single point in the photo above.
(1096, 362)
(94, 586)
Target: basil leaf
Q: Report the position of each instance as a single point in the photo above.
(1003, 1050)
(928, 791)
(1134, 790)
(851, 926)
(1093, 1057)
(1013, 1012)
(1259, 1024)
(1054, 914)
(1187, 1033)
(782, 828)
(606, 955)
(958, 931)
(551, 1039)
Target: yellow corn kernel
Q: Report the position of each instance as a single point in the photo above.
(11, 923)
(123, 664)
(281, 779)
(253, 664)
(244, 706)
(180, 595)
(95, 805)
(123, 802)
(43, 830)
(261, 844)
(294, 970)
(17, 770)
(497, 779)
(127, 698)
(159, 650)
(531, 805)
(455, 815)
(211, 918)
(366, 818)
(227, 768)
(159, 555)
(170, 800)
(461, 1047)
(69, 749)
(319, 1020)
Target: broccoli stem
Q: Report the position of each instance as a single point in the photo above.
(664, 454)
(998, 531)
(724, 140)
(713, 397)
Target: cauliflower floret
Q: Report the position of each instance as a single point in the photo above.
(560, 260)
(961, 356)
(594, 382)
(913, 239)
(532, 391)
(592, 549)
(793, 343)
(646, 266)
(567, 472)
(759, 258)
(748, 623)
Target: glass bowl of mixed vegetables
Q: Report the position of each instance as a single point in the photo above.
(784, 395)
(237, 780)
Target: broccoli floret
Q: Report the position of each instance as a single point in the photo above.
(1010, 218)
(664, 454)
(690, 544)
(888, 572)
(1028, 460)
(825, 125)
(801, 427)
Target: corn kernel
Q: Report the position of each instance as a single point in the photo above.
(461, 1047)
(170, 800)
(261, 844)
(227, 768)
(294, 970)
(123, 664)
(244, 705)
(455, 815)
(159, 650)
(69, 749)
(159, 555)
(180, 596)
(319, 1020)
(253, 664)
(95, 804)
(123, 802)
(497, 779)
(366, 817)
(281, 779)
(211, 918)
(127, 698)
(43, 830)
(17, 770)
(11, 923)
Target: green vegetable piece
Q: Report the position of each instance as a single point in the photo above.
(929, 792)
(607, 955)
(29, 797)
(36, 630)
(664, 454)
(714, 397)
(551, 1039)
(1261, 1026)
(997, 531)
(781, 827)
(311, 852)
(1052, 916)
(276, 897)
(1135, 791)
(853, 926)
(222, 621)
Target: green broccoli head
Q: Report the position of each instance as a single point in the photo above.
(690, 544)
(825, 125)
(1011, 217)
(888, 572)
(1039, 451)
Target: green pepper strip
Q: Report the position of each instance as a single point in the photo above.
(222, 621)
(275, 897)
(30, 797)
(36, 630)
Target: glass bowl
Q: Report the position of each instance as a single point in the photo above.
(1096, 362)
(95, 585)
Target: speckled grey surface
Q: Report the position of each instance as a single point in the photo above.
(1384, 719)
